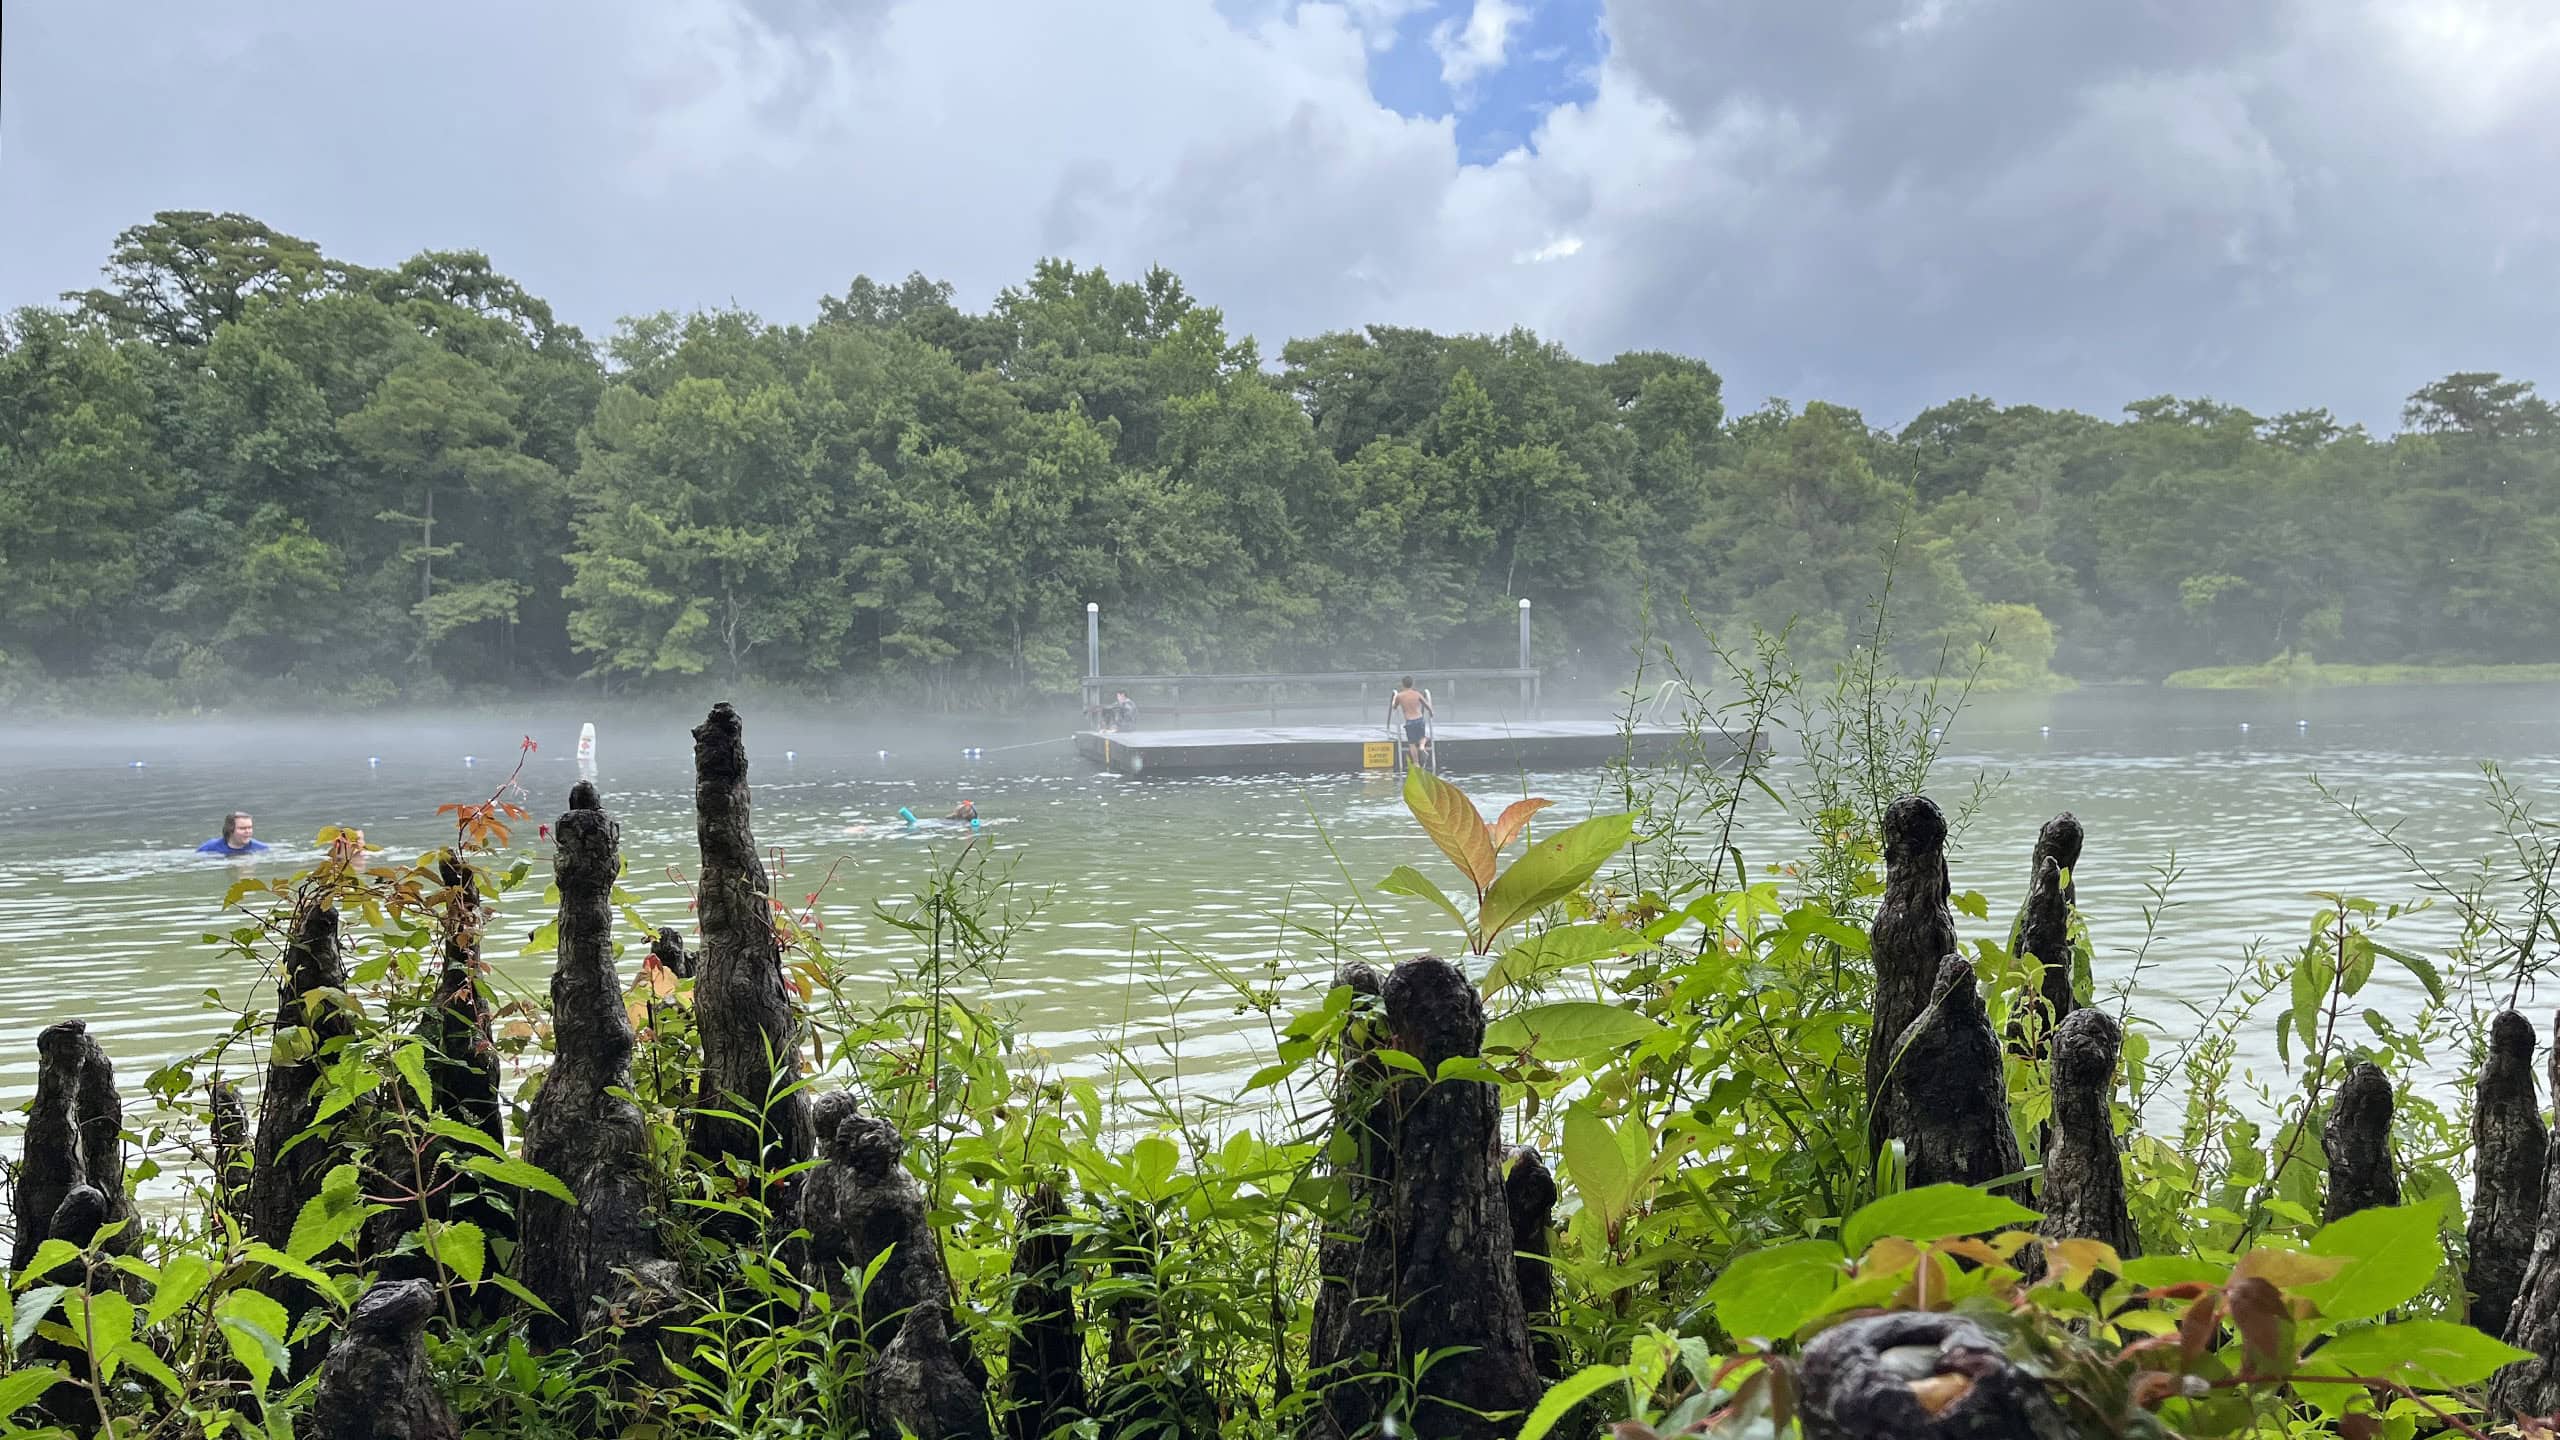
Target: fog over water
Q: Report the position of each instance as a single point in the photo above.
(102, 905)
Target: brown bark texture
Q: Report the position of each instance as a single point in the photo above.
(1864, 1379)
(1529, 1193)
(375, 1384)
(2044, 933)
(591, 1138)
(669, 949)
(1434, 1270)
(918, 1386)
(1914, 928)
(1948, 1102)
(1354, 1159)
(742, 1007)
(2532, 1387)
(2509, 1149)
(282, 1181)
(1044, 1373)
(230, 1141)
(74, 1137)
(2357, 1139)
(2084, 1195)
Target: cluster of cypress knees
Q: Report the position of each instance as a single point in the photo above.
(1441, 1254)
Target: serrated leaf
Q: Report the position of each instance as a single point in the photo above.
(1453, 823)
(2417, 1351)
(511, 1171)
(456, 1130)
(1770, 1294)
(1596, 1164)
(1561, 948)
(139, 1356)
(31, 1309)
(303, 1270)
(320, 1228)
(1565, 1394)
(462, 1249)
(22, 1388)
(1570, 1030)
(526, 1297)
(1552, 869)
(2418, 965)
(1932, 1212)
(410, 1059)
(102, 1322)
(52, 1255)
(181, 1281)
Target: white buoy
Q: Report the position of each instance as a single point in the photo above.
(790, 757)
(884, 757)
(470, 760)
(373, 762)
(2044, 729)
(587, 750)
(2244, 727)
(137, 765)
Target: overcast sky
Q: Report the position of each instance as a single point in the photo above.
(2278, 203)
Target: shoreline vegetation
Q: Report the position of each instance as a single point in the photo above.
(2302, 673)
(1664, 1140)
(241, 467)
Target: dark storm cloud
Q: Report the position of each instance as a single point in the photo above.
(1887, 202)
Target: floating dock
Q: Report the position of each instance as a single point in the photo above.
(1328, 749)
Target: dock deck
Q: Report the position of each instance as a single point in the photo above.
(1322, 749)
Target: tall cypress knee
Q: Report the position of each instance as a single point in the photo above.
(2532, 1387)
(282, 1180)
(1044, 1376)
(1914, 928)
(2357, 1139)
(58, 1140)
(742, 1007)
(1949, 1102)
(2509, 1148)
(2043, 928)
(1529, 1191)
(1434, 1272)
(2083, 1172)
(583, 1127)
(376, 1384)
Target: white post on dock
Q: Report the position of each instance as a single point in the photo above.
(1527, 685)
(1092, 654)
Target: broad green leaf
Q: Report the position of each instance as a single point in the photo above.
(2159, 1270)
(2391, 1253)
(2417, 965)
(139, 1356)
(303, 1270)
(322, 1227)
(1552, 869)
(255, 1326)
(2311, 976)
(1565, 1394)
(1597, 1166)
(411, 1061)
(1405, 880)
(2417, 1351)
(22, 1388)
(102, 1323)
(32, 1307)
(50, 1256)
(525, 1297)
(1453, 823)
(1561, 948)
(452, 1129)
(181, 1280)
(462, 1249)
(1570, 1030)
(1932, 1212)
(1152, 1161)
(1769, 1294)
(511, 1171)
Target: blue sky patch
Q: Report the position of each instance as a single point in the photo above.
(1497, 65)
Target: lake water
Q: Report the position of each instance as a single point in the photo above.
(102, 907)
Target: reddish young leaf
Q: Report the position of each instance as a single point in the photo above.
(1452, 822)
(2258, 1309)
(1514, 818)
(2196, 1328)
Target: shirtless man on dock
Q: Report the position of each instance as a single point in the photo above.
(1417, 733)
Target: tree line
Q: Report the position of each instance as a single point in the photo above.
(239, 464)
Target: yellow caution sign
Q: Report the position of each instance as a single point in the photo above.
(1378, 755)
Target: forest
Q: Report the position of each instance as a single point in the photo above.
(239, 467)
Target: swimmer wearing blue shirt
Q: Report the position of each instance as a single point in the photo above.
(234, 841)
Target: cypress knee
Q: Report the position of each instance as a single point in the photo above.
(2083, 1171)
(375, 1384)
(742, 1008)
(918, 1387)
(2044, 935)
(1529, 1192)
(282, 1180)
(55, 1160)
(862, 1201)
(2357, 1138)
(583, 1127)
(1044, 1376)
(2532, 1387)
(1914, 927)
(1949, 1102)
(230, 1140)
(669, 951)
(1914, 1375)
(1354, 1161)
(1434, 1272)
(2509, 1148)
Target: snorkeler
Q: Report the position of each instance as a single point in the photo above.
(235, 839)
(965, 810)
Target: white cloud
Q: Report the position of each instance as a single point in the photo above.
(1477, 47)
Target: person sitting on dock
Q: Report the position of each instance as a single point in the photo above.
(1417, 729)
(235, 839)
(1120, 714)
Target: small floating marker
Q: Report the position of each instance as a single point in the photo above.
(884, 757)
(587, 751)
(373, 762)
(973, 752)
(790, 757)
(2301, 724)
(2244, 727)
(138, 765)
(1937, 732)
(2044, 729)
(470, 760)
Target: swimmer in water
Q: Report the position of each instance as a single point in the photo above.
(236, 838)
(965, 810)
